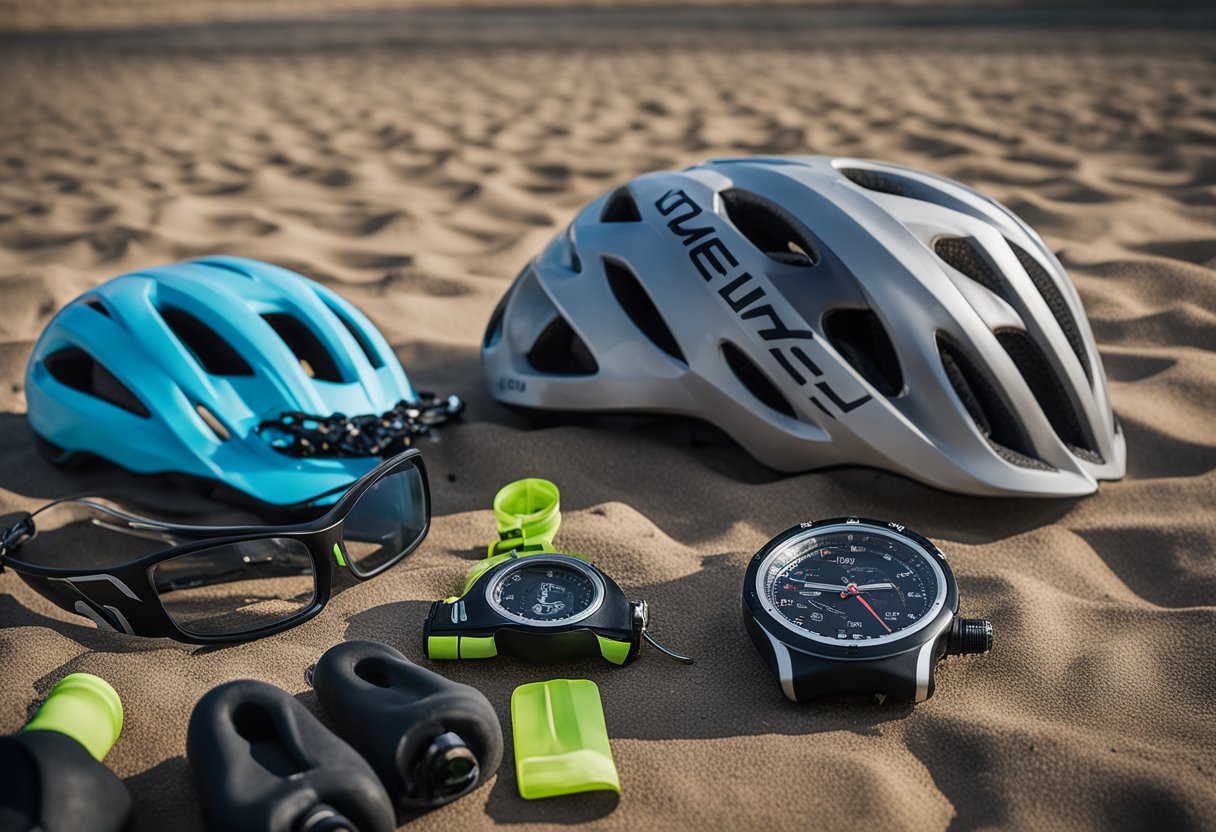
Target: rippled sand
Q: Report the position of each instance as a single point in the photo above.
(416, 180)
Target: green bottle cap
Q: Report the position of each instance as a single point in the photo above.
(85, 708)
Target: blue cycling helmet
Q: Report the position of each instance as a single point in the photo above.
(173, 369)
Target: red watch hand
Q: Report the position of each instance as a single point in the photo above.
(853, 591)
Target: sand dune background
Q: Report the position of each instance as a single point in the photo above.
(416, 180)
(79, 15)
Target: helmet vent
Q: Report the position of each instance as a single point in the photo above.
(1049, 391)
(768, 227)
(576, 263)
(986, 406)
(641, 309)
(621, 207)
(885, 182)
(369, 351)
(965, 255)
(215, 355)
(494, 327)
(75, 368)
(97, 306)
(305, 346)
(859, 336)
(1056, 303)
(754, 379)
(559, 351)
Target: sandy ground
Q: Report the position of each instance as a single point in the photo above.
(417, 180)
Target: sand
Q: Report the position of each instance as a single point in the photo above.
(416, 180)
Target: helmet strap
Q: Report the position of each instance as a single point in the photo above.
(303, 435)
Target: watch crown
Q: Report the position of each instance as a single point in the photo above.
(969, 635)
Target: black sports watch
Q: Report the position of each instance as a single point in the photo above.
(851, 605)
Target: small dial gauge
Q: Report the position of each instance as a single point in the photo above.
(546, 592)
(852, 583)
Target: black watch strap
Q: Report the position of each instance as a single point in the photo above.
(897, 676)
(802, 676)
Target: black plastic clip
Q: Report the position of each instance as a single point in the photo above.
(14, 536)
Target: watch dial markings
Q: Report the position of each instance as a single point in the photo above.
(544, 592)
(852, 586)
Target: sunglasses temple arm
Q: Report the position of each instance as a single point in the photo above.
(117, 520)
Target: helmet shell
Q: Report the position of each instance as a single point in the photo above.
(172, 369)
(821, 311)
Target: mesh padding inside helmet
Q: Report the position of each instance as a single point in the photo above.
(768, 227)
(1056, 303)
(892, 183)
(1048, 391)
(966, 256)
(987, 408)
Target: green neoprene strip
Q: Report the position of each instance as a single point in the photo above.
(561, 739)
(85, 708)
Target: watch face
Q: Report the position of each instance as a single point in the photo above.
(851, 582)
(544, 591)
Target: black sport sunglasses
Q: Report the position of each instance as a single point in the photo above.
(223, 584)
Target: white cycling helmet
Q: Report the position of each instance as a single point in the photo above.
(822, 312)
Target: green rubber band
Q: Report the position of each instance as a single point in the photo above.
(528, 514)
(85, 708)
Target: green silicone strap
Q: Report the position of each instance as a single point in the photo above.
(85, 708)
(528, 514)
(612, 650)
(478, 647)
(461, 647)
(482, 568)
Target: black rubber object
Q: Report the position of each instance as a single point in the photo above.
(263, 763)
(429, 739)
(50, 783)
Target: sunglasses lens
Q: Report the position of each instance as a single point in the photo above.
(236, 588)
(387, 521)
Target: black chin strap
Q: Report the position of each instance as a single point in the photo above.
(303, 435)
